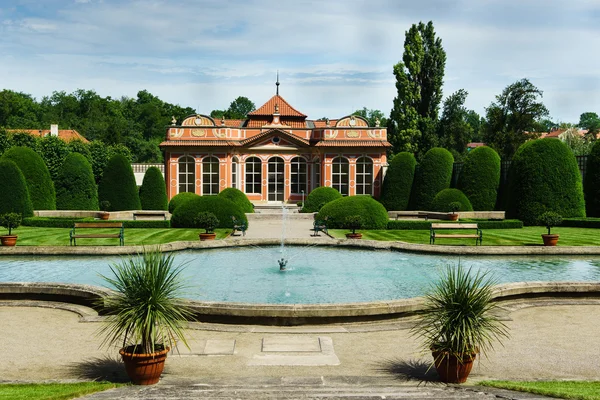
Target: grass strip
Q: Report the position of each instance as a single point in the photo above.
(578, 390)
(52, 391)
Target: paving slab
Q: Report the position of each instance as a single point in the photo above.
(287, 344)
(304, 357)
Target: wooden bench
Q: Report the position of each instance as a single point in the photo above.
(238, 226)
(97, 225)
(477, 235)
(149, 214)
(319, 226)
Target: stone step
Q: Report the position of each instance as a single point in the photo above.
(279, 216)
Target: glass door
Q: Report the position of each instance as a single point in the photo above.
(276, 179)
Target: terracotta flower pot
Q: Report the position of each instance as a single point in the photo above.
(104, 216)
(450, 369)
(550, 240)
(144, 369)
(453, 217)
(8, 240)
(207, 236)
(353, 235)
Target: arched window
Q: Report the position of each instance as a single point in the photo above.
(253, 175)
(364, 176)
(187, 174)
(210, 175)
(339, 175)
(299, 177)
(234, 172)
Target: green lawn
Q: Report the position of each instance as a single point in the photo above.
(582, 390)
(52, 391)
(530, 235)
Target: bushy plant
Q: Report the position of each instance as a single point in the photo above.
(238, 197)
(105, 205)
(54, 151)
(550, 219)
(207, 221)
(373, 213)
(37, 177)
(353, 222)
(544, 176)
(10, 221)
(184, 214)
(479, 178)
(153, 192)
(319, 197)
(181, 198)
(398, 182)
(118, 185)
(75, 185)
(592, 182)
(14, 196)
(443, 200)
(433, 175)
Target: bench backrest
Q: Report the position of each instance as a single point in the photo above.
(454, 226)
(98, 225)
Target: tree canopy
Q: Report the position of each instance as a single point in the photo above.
(455, 132)
(591, 122)
(238, 109)
(372, 116)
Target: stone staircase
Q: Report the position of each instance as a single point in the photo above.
(267, 211)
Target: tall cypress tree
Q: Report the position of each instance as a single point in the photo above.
(118, 185)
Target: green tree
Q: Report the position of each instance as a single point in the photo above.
(54, 151)
(372, 116)
(455, 132)
(433, 175)
(99, 158)
(153, 192)
(75, 185)
(118, 185)
(592, 182)
(476, 123)
(26, 140)
(14, 196)
(398, 182)
(479, 178)
(419, 80)
(239, 108)
(591, 122)
(18, 110)
(5, 141)
(514, 117)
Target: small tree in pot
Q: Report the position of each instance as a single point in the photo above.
(104, 207)
(10, 221)
(353, 222)
(207, 221)
(550, 219)
(454, 207)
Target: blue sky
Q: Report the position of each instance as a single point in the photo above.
(334, 56)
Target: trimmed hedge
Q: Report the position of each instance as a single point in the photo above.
(581, 223)
(441, 201)
(238, 197)
(75, 185)
(319, 197)
(118, 185)
(544, 176)
(181, 198)
(592, 182)
(153, 192)
(395, 193)
(433, 175)
(37, 177)
(373, 213)
(14, 196)
(184, 214)
(46, 222)
(483, 224)
(479, 178)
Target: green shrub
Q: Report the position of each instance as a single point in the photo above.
(14, 196)
(10, 221)
(118, 185)
(319, 197)
(45, 222)
(153, 192)
(207, 221)
(395, 193)
(550, 219)
(544, 176)
(581, 222)
(37, 177)
(374, 215)
(592, 182)
(443, 200)
(181, 198)
(184, 214)
(75, 185)
(54, 151)
(238, 197)
(479, 178)
(483, 224)
(433, 175)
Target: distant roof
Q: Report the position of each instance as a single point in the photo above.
(285, 110)
(65, 134)
(472, 145)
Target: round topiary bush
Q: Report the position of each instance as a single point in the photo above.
(181, 198)
(184, 214)
(153, 192)
(37, 177)
(433, 175)
(75, 185)
(544, 176)
(238, 197)
(14, 196)
(319, 197)
(592, 182)
(118, 185)
(441, 201)
(373, 213)
(480, 177)
(395, 193)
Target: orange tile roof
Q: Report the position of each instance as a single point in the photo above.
(231, 123)
(274, 132)
(65, 134)
(209, 143)
(475, 144)
(284, 108)
(353, 143)
(323, 124)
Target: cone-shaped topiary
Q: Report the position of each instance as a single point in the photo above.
(37, 177)
(153, 192)
(238, 197)
(373, 213)
(395, 193)
(118, 185)
(441, 201)
(433, 175)
(14, 196)
(319, 197)
(480, 177)
(544, 176)
(185, 213)
(75, 184)
(179, 199)
(592, 182)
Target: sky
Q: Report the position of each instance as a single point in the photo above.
(333, 56)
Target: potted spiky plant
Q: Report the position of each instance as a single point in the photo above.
(9, 221)
(145, 315)
(207, 221)
(457, 322)
(550, 219)
(353, 222)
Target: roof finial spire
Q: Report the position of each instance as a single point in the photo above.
(277, 83)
